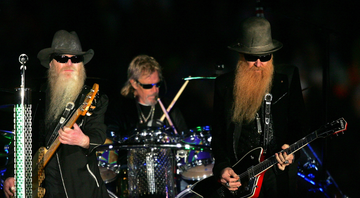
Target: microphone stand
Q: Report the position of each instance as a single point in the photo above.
(22, 137)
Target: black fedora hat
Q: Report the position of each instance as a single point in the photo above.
(64, 42)
(255, 37)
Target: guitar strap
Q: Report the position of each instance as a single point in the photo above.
(66, 115)
(268, 131)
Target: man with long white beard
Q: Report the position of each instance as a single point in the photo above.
(257, 105)
(72, 171)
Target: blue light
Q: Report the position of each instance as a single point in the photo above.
(310, 175)
(306, 179)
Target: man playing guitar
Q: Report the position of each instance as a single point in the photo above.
(72, 170)
(257, 105)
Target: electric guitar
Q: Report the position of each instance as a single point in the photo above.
(43, 155)
(253, 171)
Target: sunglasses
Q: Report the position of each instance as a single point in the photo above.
(149, 86)
(64, 59)
(253, 58)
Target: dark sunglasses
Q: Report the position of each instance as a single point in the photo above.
(64, 59)
(253, 58)
(149, 86)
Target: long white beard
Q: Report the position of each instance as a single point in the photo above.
(63, 90)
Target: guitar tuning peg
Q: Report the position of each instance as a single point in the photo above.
(88, 114)
(92, 107)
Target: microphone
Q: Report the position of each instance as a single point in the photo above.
(23, 58)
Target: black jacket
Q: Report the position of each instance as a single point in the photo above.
(288, 115)
(122, 117)
(80, 173)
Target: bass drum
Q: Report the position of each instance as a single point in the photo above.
(187, 193)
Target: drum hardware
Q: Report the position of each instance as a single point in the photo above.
(111, 194)
(200, 136)
(107, 163)
(152, 135)
(155, 149)
(117, 146)
(188, 193)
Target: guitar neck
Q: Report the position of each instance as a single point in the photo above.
(55, 145)
(271, 161)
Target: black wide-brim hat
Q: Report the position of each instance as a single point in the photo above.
(255, 38)
(64, 42)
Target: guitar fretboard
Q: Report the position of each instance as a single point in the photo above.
(328, 129)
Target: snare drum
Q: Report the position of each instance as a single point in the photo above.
(194, 165)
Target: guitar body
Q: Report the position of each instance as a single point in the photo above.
(250, 186)
(38, 173)
(252, 172)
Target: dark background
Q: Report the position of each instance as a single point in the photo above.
(190, 38)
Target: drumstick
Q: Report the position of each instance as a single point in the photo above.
(167, 115)
(175, 99)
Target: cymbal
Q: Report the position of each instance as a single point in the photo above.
(200, 78)
(4, 131)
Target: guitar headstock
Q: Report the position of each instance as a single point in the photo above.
(332, 128)
(87, 104)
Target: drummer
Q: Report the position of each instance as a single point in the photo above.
(137, 106)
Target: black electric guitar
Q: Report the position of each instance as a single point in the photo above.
(252, 171)
(43, 155)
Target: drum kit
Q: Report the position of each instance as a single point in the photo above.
(157, 162)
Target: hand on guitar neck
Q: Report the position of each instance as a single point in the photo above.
(74, 136)
(284, 159)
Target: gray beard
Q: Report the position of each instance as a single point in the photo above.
(62, 91)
